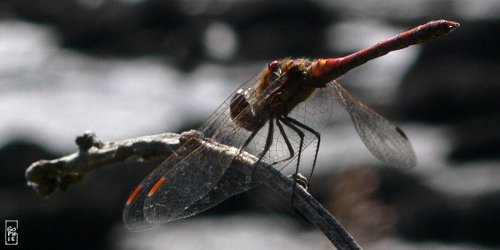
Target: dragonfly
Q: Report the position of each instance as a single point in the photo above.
(273, 116)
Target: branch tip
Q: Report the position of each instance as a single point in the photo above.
(87, 140)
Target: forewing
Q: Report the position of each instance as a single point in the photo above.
(385, 141)
(174, 185)
(231, 183)
(190, 180)
(133, 214)
(184, 178)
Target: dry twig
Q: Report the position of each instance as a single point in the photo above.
(47, 175)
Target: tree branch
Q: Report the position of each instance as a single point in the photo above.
(47, 175)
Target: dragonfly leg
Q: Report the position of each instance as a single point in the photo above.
(301, 180)
(318, 136)
(299, 132)
(249, 139)
(269, 140)
(287, 142)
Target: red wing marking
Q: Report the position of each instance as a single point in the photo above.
(156, 186)
(134, 194)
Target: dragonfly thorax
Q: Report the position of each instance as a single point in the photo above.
(282, 86)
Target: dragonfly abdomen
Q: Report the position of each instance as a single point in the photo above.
(332, 68)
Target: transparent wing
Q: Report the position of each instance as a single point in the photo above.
(186, 176)
(385, 141)
(134, 215)
(190, 180)
(231, 183)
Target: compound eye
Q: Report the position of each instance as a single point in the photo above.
(272, 65)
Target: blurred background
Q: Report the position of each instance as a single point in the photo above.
(126, 68)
